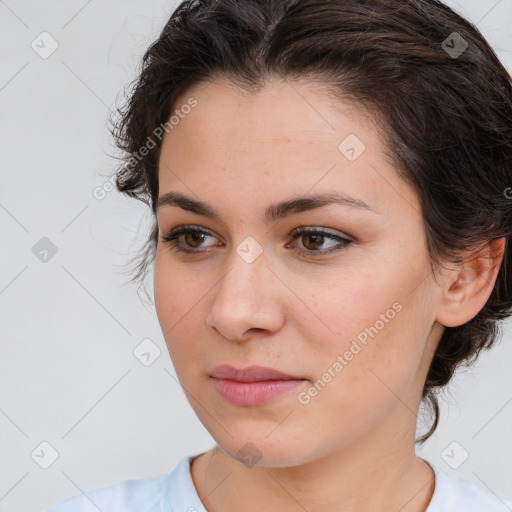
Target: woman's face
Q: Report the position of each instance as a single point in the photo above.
(355, 320)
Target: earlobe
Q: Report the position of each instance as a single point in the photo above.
(467, 288)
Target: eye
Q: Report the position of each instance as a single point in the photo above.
(192, 235)
(311, 238)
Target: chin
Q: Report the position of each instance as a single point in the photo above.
(262, 451)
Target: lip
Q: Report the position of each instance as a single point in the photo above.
(253, 385)
(251, 374)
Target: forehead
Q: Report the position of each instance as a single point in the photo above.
(287, 136)
(276, 112)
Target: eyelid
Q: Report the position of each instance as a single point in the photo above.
(343, 240)
(305, 227)
(318, 229)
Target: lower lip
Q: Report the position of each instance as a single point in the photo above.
(253, 393)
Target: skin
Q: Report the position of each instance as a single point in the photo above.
(351, 447)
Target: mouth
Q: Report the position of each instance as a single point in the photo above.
(252, 386)
(251, 374)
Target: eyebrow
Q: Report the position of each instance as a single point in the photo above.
(273, 212)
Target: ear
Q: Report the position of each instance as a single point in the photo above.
(465, 290)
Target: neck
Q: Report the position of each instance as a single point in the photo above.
(367, 476)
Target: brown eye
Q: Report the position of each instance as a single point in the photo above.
(189, 239)
(193, 238)
(313, 240)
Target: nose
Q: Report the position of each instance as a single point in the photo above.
(249, 298)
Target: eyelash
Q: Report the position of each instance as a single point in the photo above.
(172, 237)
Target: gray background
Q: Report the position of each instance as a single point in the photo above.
(69, 326)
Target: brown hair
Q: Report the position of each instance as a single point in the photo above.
(441, 97)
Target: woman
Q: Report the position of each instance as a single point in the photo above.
(329, 182)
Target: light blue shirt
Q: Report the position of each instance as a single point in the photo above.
(175, 492)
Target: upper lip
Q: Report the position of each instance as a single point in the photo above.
(250, 373)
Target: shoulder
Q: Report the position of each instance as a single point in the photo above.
(459, 494)
(146, 495)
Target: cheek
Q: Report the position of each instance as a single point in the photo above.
(175, 290)
(366, 326)
(356, 383)
(164, 286)
(340, 308)
(176, 304)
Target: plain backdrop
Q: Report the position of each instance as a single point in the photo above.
(78, 409)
